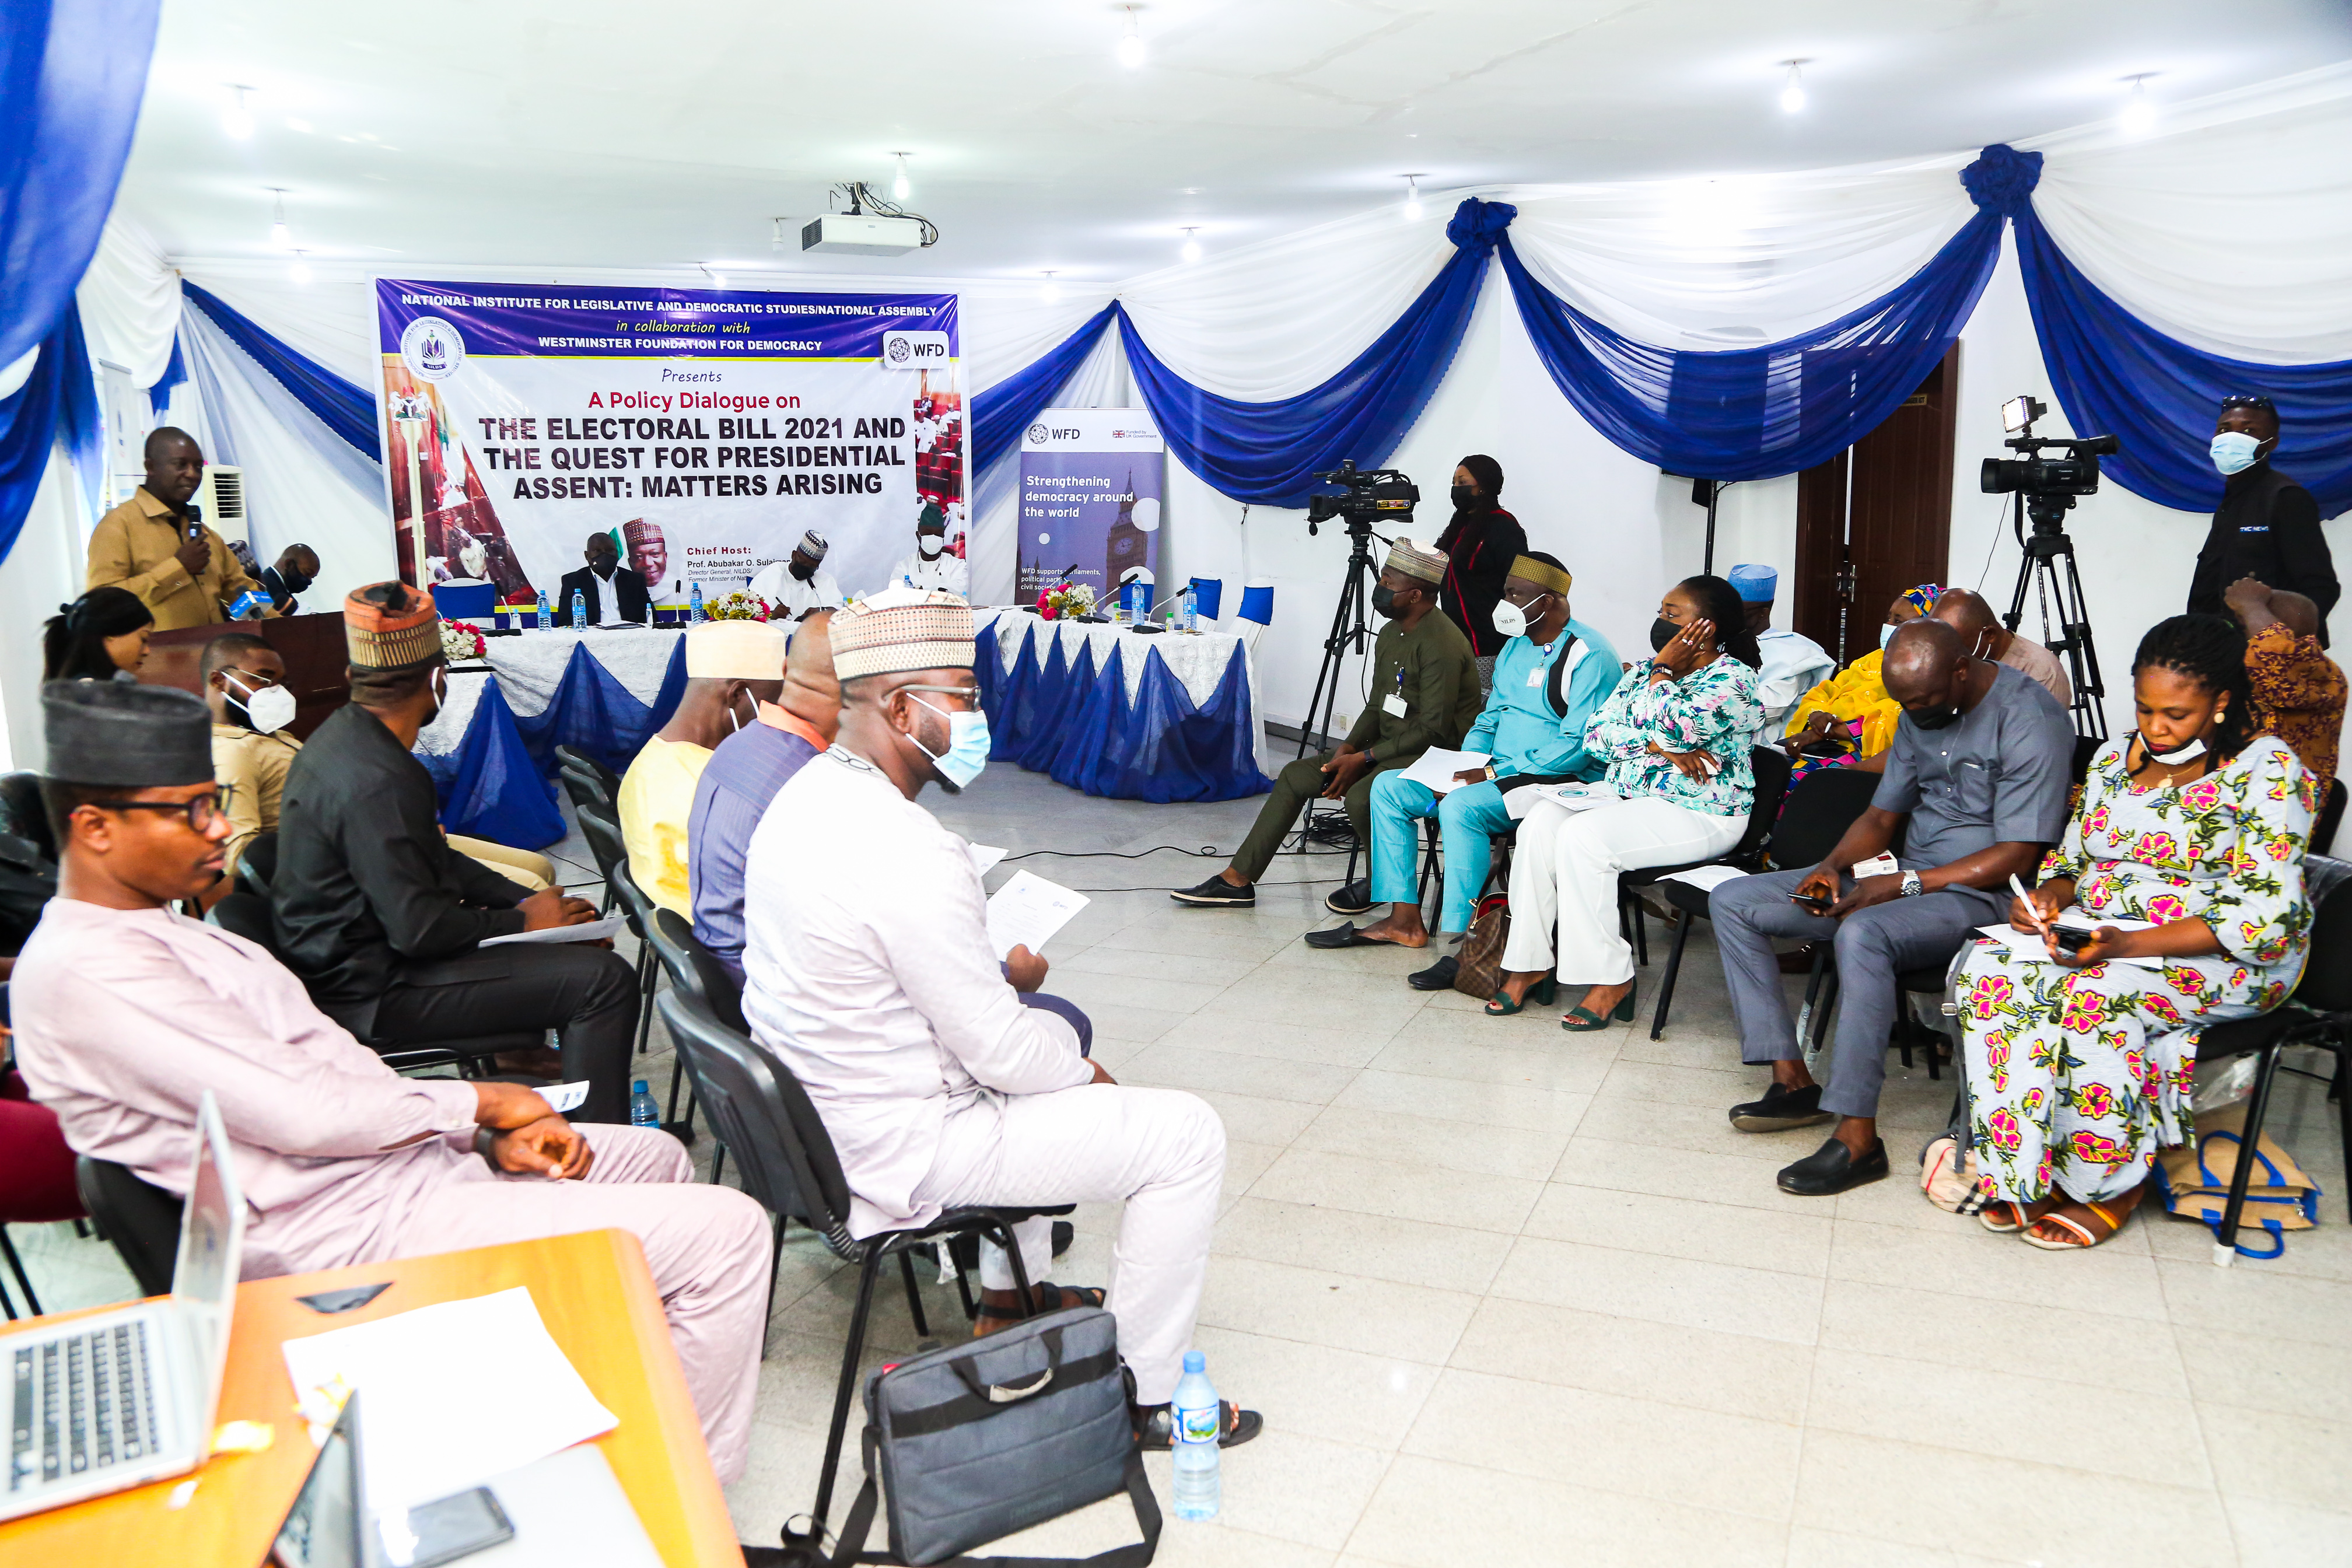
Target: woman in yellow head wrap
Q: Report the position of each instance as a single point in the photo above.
(1848, 721)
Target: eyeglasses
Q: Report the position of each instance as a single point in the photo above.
(200, 812)
(2250, 400)
(968, 693)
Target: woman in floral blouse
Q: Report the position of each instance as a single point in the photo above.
(2188, 842)
(1676, 733)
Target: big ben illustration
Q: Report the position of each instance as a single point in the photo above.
(1128, 545)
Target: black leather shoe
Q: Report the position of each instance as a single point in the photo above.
(1353, 899)
(1781, 1109)
(1831, 1169)
(1216, 892)
(1438, 976)
(1064, 1233)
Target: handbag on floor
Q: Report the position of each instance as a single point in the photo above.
(974, 1442)
(2194, 1182)
(1479, 970)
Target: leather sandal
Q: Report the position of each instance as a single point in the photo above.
(1154, 1423)
(2083, 1238)
(1540, 994)
(1580, 1021)
(1049, 1297)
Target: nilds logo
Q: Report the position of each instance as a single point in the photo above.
(432, 349)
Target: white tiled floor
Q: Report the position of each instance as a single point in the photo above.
(1508, 1295)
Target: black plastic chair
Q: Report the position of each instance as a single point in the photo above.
(787, 1162)
(2319, 1013)
(694, 970)
(2331, 813)
(23, 813)
(247, 915)
(1802, 831)
(587, 780)
(140, 1219)
(1772, 770)
(258, 863)
(602, 829)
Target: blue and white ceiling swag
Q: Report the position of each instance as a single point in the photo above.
(1746, 412)
(340, 405)
(72, 72)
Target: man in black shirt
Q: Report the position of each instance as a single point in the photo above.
(297, 569)
(2267, 526)
(383, 920)
(604, 572)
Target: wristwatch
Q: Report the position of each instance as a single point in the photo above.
(485, 1140)
(1912, 886)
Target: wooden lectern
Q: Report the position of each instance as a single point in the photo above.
(316, 659)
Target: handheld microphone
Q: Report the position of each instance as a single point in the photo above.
(195, 519)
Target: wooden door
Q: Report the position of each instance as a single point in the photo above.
(1877, 519)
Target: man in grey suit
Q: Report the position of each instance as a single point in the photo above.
(1979, 767)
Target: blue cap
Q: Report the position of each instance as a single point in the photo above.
(1755, 584)
(1195, 1361)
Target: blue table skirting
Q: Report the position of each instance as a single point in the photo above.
(498, 783)
(1080, 728)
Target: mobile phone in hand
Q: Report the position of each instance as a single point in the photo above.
(1817, 902)
(2072, 939)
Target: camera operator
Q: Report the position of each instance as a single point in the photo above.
(2267, 526)
(1479, 545)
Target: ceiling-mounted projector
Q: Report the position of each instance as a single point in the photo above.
(862, 234)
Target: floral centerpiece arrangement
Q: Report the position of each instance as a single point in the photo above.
(1065, 599)
(740, 605)
(462, 640)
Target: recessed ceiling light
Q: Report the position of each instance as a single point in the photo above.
(236, 121)
(280, 237)
(901, 187)
(2138, 116)
(1131, 44)
(1192, 251)
(1412, 198)
(1792, 93)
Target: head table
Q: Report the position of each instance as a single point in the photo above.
(1180, 722)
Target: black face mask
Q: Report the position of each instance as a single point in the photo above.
(1383, 599)
(1661, 632)
(1466, 499)
(295, 582)
(1940, 719)
(801, 571)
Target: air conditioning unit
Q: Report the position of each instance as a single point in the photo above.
(222, 495)
(862, 234)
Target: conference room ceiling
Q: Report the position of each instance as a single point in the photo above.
(596, 133)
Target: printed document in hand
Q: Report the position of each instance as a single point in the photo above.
(984, 857)
(587, 931)
(425, 1373)
(1437, 768)
(1027, 910)
(565, 1096)
(2028, 944)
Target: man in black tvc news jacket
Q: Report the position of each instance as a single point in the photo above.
(2267, 526)
(603, 572)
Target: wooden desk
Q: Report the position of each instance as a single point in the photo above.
(598, 1296)
(317, 661)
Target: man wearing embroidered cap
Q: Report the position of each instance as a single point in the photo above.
(868, 970)
(732, 667)
(1424, 693)
(1793, 664)
(798, 586)
(383, 920)
(1550, 677)
(128, 1013)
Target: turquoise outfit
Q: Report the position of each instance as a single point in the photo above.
(1518, 729)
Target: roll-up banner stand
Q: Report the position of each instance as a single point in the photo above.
(1092, 480)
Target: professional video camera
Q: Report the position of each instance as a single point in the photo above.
(1364, 496)
(2045, 488)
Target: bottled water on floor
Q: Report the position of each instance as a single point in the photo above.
(1195, 1418)
(643, 1111)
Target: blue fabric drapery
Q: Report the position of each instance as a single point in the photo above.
(1079, 725)
(490, 786)
(1001, 413)
(175, 371)
(1267, 453)
(592, 712)
(1756, 414)
(72, 72)
(59, 400)
(2117, 375)
(341, 406)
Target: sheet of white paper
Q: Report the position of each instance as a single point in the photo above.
(564, 1097)
(984, 857)
(590, 931)
(1517, 803)
(1577, 797)
(1435, 767)
(2028, 944)
(1027, 910)
(1708, 877)
(425, 1373)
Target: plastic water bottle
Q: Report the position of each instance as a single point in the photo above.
(546, 615)
(1191, 608)
(693, 605)
(578, 610)
(643, 1111)
(1196, 1417)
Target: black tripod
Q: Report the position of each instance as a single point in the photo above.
(2049, 565)
(1352, 632)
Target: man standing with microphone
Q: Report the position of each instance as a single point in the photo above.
(156, 546)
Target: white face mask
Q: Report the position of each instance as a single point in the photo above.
(930, 544)
(2187, 753)
(2235, 451)
(268, 708)
(1510, 619)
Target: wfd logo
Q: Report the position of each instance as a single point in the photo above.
(1041, 432)
(915, 351)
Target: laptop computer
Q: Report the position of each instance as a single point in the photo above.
(122, 1397)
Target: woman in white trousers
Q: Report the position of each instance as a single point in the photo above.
(1676, 733)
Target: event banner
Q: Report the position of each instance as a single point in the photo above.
(704, 431)
(1091, 485)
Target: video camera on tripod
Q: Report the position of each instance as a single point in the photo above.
(2045, 488)
(1366, 496)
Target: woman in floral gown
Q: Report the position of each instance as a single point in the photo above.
(2080, 1066)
